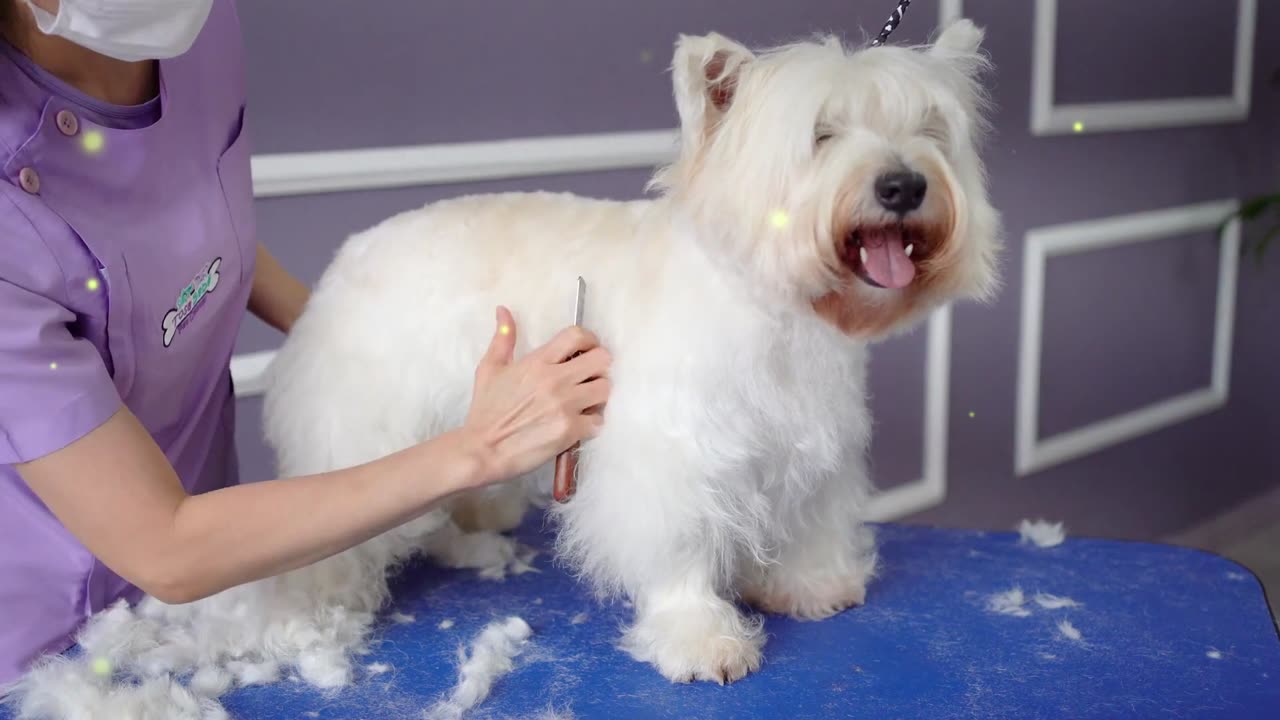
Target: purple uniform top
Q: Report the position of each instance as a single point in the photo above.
(126, 257)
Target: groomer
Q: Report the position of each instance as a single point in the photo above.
(127, 259)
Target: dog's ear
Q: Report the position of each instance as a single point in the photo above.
(705, 75)
(961, 37)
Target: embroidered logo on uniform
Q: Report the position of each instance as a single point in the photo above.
(189, 300)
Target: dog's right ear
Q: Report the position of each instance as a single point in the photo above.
(960, 37)
(705, 74)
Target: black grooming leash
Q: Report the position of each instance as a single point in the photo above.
(892, 24)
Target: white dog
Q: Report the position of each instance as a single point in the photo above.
(820, 198)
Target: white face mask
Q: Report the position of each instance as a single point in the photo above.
(129, 30)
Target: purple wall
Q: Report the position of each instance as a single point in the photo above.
(1123, 327)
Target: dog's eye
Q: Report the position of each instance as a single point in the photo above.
(821, 136)
(936, 129)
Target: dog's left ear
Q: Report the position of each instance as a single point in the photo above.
(961, 37)
(705, 75)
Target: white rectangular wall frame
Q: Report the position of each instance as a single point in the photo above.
(306, 173)
(949, 11)
(931, 489)
(1034, 453)
(1048, 118)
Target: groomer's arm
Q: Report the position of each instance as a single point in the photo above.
(117, 493)
(277, 297)
(115, 490)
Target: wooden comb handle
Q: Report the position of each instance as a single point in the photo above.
(566, 475)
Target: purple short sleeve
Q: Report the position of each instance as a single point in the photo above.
(54, 387)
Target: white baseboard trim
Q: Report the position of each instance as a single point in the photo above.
(308, 173)
(1233, 526)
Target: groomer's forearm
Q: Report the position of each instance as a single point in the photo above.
(277, 297)
(247, 532)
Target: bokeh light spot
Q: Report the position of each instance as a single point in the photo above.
(101, 666)
(1077, 126)
(92, 284)
(92, 141)
(779, 219)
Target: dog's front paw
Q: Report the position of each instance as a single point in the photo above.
(813, 600)
(714, 644)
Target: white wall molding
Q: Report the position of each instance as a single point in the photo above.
(1048, 118)
(949, 11)
(931, 489)
(308, 173)
(1034, 453)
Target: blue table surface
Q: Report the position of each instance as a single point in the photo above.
(1166, 632)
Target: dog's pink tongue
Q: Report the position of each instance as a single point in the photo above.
(887, 262)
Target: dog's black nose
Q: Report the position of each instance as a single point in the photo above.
(902, 191)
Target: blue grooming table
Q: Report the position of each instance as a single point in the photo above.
(1165, 632)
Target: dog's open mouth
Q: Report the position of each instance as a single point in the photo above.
(884, 256)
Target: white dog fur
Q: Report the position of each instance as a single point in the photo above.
(732, 459)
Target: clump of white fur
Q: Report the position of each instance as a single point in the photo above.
(1069, 631)
(492, 656)
(1054, 602)
(1041, 533)
(1010, 602)
(311, 620)
(733, 457)
(210, 681)
(63, 689)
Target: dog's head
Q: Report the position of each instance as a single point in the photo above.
(848, 180)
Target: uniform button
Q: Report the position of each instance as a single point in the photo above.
(29, 180)
(67, 122)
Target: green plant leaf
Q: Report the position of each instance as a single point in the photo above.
(1251, 209)
(1261, 249)
(1254, 207)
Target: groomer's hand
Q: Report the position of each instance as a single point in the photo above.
(525, 413)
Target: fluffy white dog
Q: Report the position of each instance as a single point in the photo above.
(821, 198)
